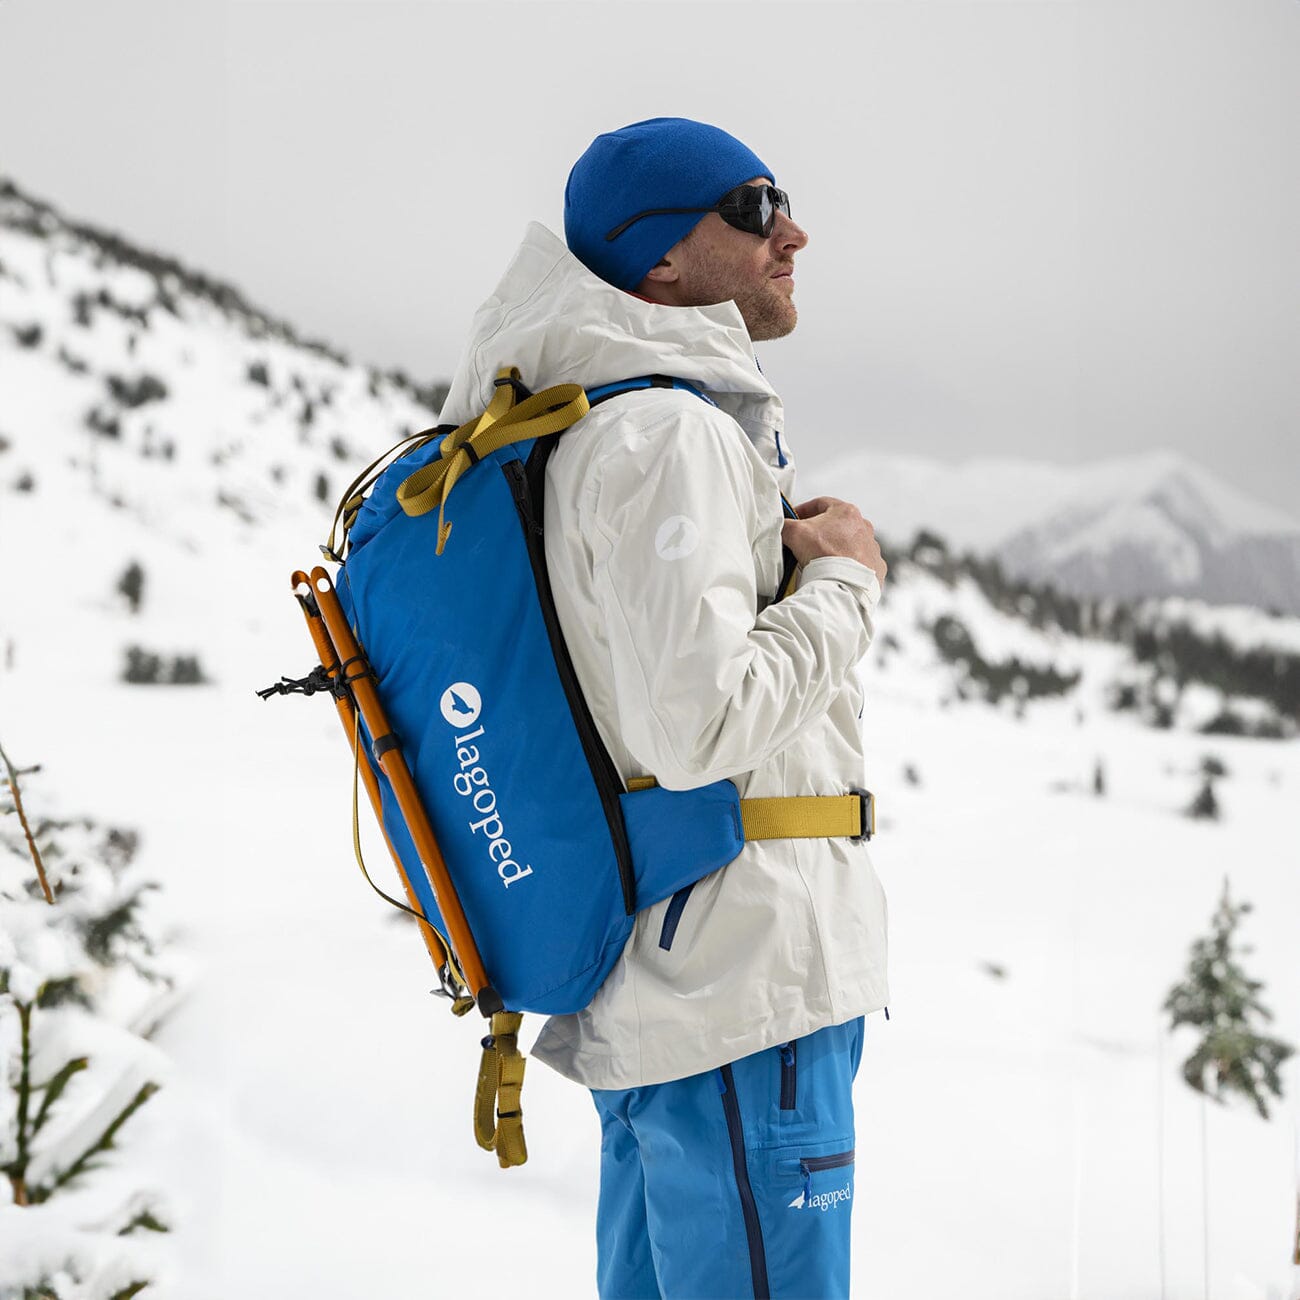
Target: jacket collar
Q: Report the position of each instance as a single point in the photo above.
(560, 323)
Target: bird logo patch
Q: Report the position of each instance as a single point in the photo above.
(676, 538)
(461, 705)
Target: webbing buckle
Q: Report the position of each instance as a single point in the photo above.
(867, 817)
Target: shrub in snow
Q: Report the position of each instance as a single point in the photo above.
(103, 422)
(147, 668)
(257, 373)
(25, 482)
(322, 488)
(28, 336)
(1205, 804)
(82, 985)
(136, 392)
(1222, 1003)
(185, 671)
(131, 585)
(1122, 696)
(71, 362)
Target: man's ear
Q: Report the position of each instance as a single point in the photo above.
(665, 271)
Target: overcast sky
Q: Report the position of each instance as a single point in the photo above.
(1050, 229)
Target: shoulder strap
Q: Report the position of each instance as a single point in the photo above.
(605, 391)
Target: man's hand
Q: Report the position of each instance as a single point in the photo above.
(827, 526)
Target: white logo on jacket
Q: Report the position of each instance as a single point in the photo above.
(461, 704)
(676, 538)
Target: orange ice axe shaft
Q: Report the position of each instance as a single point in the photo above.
(388, 753)
(347, 712)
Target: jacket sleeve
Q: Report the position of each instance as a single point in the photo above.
(706, 687)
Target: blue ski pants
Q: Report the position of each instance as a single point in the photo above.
(735, 1182)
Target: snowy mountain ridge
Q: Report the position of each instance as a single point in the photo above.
(1152, 524)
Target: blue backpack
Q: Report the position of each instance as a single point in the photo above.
(544, 856)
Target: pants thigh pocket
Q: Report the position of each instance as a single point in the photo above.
(808, 1202)
(825, 1181)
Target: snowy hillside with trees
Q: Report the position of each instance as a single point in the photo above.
(1065, 783)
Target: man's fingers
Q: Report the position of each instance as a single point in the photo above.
(817, 506)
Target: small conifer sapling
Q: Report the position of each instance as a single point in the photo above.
(1221, 1002)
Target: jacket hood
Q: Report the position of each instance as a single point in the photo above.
(560, 323)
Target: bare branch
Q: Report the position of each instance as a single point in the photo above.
(27, 830)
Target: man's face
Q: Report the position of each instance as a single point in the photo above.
(718, 263)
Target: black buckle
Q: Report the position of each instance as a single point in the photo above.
(522, 391)
(867, 815)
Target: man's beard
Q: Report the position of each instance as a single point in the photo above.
(768, 319)
(768, 311)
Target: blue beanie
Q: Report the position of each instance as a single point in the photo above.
(666, 162)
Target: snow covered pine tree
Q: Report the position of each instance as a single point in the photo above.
(81, 988)
(1217, 998)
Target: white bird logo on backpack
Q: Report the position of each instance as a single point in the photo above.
(461, 704)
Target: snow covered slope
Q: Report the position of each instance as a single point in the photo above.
(150, 414)
(1023, 1129)
(1154, 524)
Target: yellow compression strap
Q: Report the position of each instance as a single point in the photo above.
(498, 1117)
(549, 412)
(801, 817)
(793, 817)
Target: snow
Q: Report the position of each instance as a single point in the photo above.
(1020, 1136)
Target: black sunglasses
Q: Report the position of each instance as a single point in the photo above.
(751, 208)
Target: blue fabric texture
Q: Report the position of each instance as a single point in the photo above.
(665, 162)
(680, 1215)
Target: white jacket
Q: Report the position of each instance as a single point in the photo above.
(663, 542)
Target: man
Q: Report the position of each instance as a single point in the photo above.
(722, 1048)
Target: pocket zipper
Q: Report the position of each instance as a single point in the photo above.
(673, 915)
(810, 1165)
(789, 1067)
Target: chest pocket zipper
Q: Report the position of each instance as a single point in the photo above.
(789, 1068)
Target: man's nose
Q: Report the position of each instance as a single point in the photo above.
(787, 234)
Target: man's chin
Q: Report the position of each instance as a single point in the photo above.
(771, 326)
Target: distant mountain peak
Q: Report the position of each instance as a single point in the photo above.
(1154, 523)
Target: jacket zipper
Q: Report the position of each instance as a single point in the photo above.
(603, 771)
(789, 1066)
(673, 915)
(748, 1208)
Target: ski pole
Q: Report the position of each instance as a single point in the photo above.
(386, 747)
(347, 711)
